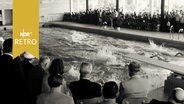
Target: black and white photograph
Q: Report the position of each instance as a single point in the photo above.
(97, 52)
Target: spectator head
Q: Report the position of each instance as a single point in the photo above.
(44, 62)
(57, 67)
(7, 45)
(85, 70)
(177, 96)
(134, 68)
(27, 56)
(55, 81)
(110, 90)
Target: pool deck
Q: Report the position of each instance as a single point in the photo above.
(124, 33)
(151, 34)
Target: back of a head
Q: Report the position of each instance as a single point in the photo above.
(177, 95)
(57, 66)
(110, 90)
(134, 67)
(55, 81)
(44, 62)
(85, 69)
(7, 45)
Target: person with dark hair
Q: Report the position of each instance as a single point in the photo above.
(84, 88)
(55, 96)
(110, 90)
(56, 67)
(7, 46)
(136, 86)
(12, 82)
(6, 64)
(176, 97)
(35, 78)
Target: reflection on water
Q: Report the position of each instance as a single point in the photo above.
(105, 53)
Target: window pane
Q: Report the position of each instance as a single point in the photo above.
(102, 4)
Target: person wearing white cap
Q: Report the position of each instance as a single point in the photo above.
(176, 97)
(23, 64)
(27, 62)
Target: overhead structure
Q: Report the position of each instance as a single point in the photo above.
(162, 14)
(71, 3)
(117, 5)
(87, 5)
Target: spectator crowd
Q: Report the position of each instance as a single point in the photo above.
(25, 82)
(172, 22)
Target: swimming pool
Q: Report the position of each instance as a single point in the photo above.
(106, 54)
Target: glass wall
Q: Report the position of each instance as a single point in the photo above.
(137, 6)
(79, 5)
(129, 6)
(171, 5)
(102, 4)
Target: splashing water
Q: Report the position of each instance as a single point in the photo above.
(157, 47)
(160, 48)
(78, 36)
(105, 53)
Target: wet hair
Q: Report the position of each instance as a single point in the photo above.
(110, 89)
(84, 72)
(134, 67)
(55, 80)
(57, 67)
(7, 45)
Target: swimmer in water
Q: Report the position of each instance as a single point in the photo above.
(179, 54)
(140, 52)
(158, 56)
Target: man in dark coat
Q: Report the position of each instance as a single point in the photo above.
(11, 81)
(84, 88)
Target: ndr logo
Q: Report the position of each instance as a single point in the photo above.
(25, 34)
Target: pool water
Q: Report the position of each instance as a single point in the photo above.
(106, 54)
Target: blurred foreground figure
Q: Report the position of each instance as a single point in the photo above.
(176, 97)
